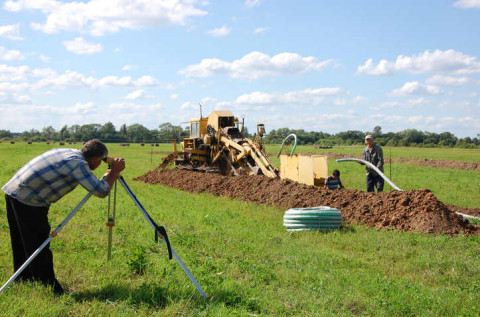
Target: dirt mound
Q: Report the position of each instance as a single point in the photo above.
(410, 211)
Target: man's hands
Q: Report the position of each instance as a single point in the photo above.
(116, 166)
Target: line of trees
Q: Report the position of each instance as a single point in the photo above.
(107, 132)
(167, 132)
(409, 137)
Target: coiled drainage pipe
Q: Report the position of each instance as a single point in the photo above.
(389, 181)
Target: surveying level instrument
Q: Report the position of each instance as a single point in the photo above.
(160, 232)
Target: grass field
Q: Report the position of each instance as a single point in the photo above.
(242, 256)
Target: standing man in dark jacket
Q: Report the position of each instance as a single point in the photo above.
(373, 153)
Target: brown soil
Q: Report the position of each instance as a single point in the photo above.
(409, 211)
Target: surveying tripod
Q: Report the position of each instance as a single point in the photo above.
(159, 232)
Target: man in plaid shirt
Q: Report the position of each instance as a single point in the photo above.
(41, 182)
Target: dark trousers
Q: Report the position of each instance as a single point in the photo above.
(29, 228)
(374, 180)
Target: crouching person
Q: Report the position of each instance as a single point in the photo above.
(333, 181)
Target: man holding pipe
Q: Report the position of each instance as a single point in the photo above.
(373, 153)
(41, 182)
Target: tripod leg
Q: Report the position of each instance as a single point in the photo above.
(151, 222)
(44, 244)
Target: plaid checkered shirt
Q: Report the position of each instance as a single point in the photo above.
(52, 175)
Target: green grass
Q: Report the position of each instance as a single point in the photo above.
(445, 154)
(241, 255)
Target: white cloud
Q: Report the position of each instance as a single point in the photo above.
(308, 97)
(76, 79)
(174, 96)
(19, 73)
(138, 94)
(44, 58)
(441, 80)
(261, 30)
(221, 31)
(13, 98)
(10, 55)
(10, 32)
(81, 47)
(415, 88)
(256, 65)
(79, 113)
(127, 67)
(467, 4)
(188, 105)
(98, 17)
(409, 104)
(252, 3)
(450, 62)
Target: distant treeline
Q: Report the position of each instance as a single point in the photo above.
(107, 132)
(409, 137)
(167, 132)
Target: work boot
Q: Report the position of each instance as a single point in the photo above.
(57, 288)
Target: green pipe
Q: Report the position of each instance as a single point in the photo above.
(294, 146)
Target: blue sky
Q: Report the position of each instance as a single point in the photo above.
(326, 66)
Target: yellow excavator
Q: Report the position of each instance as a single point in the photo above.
(217, 145)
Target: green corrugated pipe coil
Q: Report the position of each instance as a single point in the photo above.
(321, 218)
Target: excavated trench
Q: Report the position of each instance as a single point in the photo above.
(406, 211)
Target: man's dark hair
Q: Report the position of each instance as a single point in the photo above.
(94, 148)
(336, 173)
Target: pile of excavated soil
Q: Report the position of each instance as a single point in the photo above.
(408, 211)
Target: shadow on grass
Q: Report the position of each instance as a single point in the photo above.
(155, 296)
(347, 229)
(150, 294)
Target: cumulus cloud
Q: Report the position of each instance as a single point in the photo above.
(415, 88)
(138, 94)
(11, 32)
(98, 17)
(449, 62)
(10, 55)
(76, 79)
(13, 98)
(79, 113)
(127, 67)
(441, 80)
(221, 31)
(269, 101)
(81, 47)
(19, 73)
(256, 65)
(467, 4)
(409, 104)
